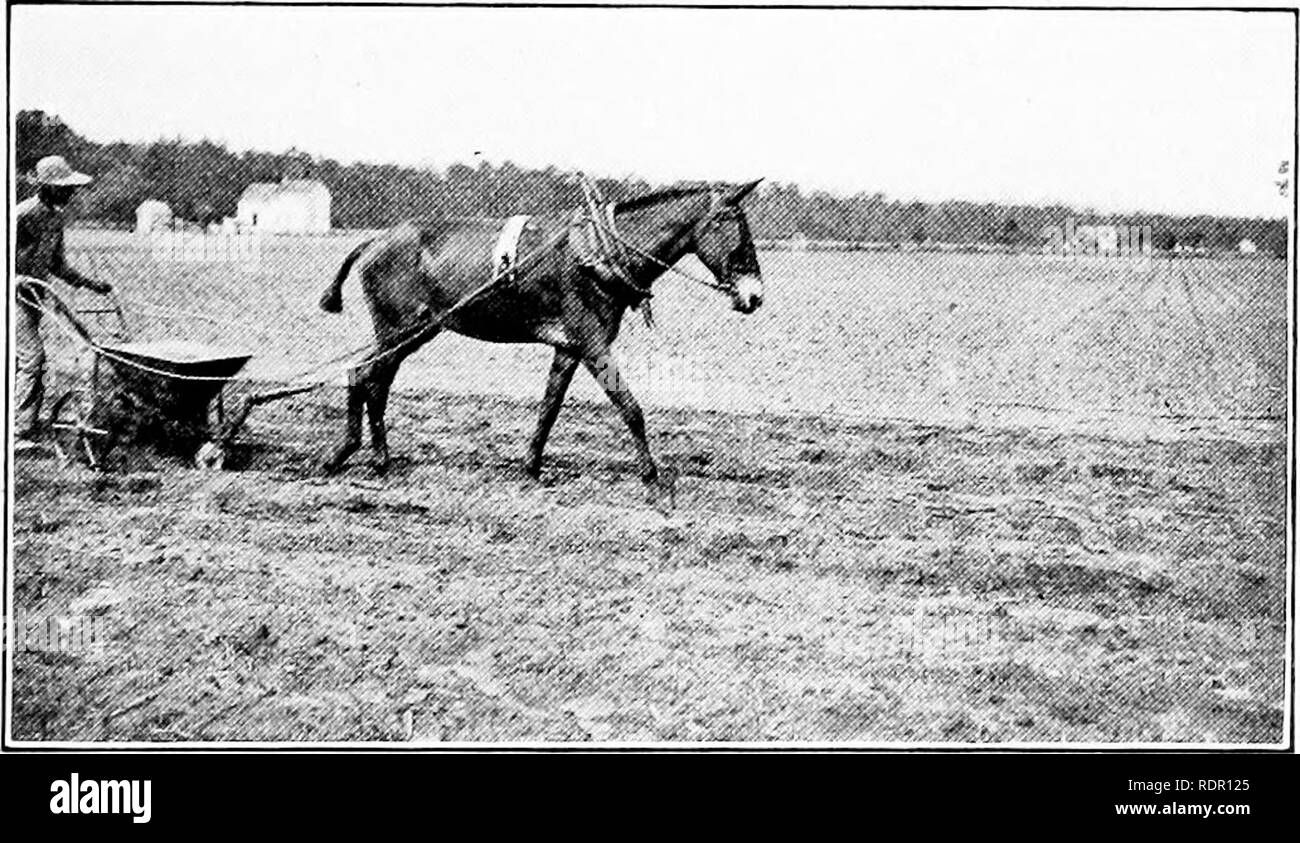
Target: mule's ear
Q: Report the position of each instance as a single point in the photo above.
(741, 192)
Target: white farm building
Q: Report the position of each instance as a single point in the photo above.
(293, 205)
(152, 215)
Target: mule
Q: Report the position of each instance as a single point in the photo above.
(425, 276)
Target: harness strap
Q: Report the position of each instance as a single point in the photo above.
(599, 245)
(715, 202)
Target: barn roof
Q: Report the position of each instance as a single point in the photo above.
(263, 190)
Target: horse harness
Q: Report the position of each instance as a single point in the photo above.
(595, 241)
(597, 246)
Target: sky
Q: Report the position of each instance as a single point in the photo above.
(1182, 112)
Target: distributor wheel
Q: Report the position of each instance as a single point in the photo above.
(79, 434)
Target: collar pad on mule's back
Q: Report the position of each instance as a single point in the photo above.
(505, 253)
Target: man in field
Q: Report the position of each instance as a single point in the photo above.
(38, 256)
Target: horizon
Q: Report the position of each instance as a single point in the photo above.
(1084, 129)
(441, 170)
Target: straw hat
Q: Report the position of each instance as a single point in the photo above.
(54, 171)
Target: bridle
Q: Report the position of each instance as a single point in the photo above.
(737, 262)
(717, 211)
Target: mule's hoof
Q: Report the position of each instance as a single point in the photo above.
(210, 457)
(663, 491)
(529, 482)
(663, 501)
(668, 478)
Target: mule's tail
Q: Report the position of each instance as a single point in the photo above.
(331, 301)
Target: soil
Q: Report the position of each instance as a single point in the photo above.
(819, 579)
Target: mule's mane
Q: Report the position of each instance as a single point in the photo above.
(657, 197)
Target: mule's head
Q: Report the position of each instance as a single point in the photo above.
(723, 244)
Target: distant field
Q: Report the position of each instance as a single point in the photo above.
(966, 338)
(939, 498)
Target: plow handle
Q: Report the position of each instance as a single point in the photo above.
(124, 330)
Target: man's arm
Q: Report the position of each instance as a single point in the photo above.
(60, 268)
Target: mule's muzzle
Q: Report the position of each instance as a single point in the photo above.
(748, 295)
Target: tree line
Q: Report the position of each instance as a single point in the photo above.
(202, 181)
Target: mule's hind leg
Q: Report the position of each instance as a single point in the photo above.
(378, 380)
(378, 386)
(352, 426)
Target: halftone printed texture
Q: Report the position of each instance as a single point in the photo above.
(924, 496)
(1128, 344)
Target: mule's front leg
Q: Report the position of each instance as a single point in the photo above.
(605, 370)
(562, 369)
